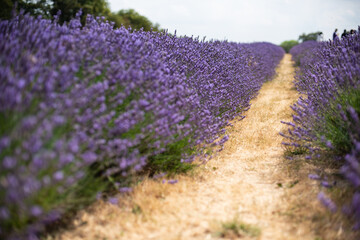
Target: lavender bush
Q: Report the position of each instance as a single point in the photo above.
(326, 119)
(84, 107)
(303, 53)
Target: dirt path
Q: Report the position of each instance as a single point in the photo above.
(246, 183)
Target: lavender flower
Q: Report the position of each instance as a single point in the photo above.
(327, 202)
(173, 181)
(113, 200)
(125, 189)
(314, 176)
(326, 184)
(36, 211)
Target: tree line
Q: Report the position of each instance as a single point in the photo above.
(68, 8)
(314, 36)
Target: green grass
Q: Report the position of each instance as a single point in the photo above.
(237, 229)
(170, 160)
(291, 151)
(335, 129)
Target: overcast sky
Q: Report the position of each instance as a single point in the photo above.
(248, 20)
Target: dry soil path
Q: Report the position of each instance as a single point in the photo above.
(247, 182)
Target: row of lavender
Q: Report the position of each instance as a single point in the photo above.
(326, 119)
(84, 108)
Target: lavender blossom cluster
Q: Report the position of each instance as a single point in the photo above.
(83, 103)
(302, 53)
(326, 118)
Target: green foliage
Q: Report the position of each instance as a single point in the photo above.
(287, 45)
(291, 151)
(69, 8)
(131, 18)
(50, 8)
(116, 18)
(335, 129)
(235, 229)
(310, 36)
(6, 8)
(170, 160)
(39, 7)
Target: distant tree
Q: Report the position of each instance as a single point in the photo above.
(49, 8)
(39, 7)
(131, 18)
(116, 18)
(69, 8)
(310, 36)
(6, 8)
(287, 45)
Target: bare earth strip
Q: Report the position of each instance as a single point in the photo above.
(248, 181)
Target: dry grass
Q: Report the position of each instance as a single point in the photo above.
(248, 179)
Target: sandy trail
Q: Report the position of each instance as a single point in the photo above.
(241, 182)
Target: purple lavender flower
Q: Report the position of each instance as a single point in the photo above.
(160, 175)
(58, 176)
(89, 157)
(4, 213)
(9, 162)
(326, 184)
(314, 176)
(173, 181)
(329, 145)
(113, 200)
(36, 211)
(98, 195)
(327, 202)
(125, 189)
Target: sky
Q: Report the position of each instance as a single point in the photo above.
(248, 20)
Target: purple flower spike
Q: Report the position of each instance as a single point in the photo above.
(160, 175)
(173, 181)
(329, 145)
(125, 189)
(36, 211)
(89, 157)
(9, 162)
(4, 213)
(314, 176)
(59, 175)
(113, 200)
(327, 202)
(326, 184)
(98, 195)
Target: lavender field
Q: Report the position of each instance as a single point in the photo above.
(87, 112)
(326, 124)
(84, 108)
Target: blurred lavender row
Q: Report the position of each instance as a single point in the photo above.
(84, 106)
(326, 118)
(302, 53)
